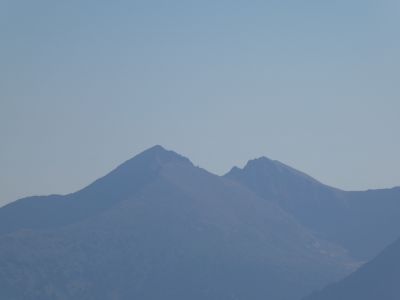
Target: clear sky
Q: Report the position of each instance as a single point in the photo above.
(85, 85)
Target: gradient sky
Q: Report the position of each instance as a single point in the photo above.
(85, 85)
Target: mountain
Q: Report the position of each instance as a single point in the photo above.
(157, 227)
(364, 222)
(105, 193)
(378, 279)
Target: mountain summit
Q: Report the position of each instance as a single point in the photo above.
(156, 155)
(56, 210)
(273, 179)
(361, 222)
(263, 165)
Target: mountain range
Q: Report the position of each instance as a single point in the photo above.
(158, 227)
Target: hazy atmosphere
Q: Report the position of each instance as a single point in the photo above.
(191, 150)
(86, 85)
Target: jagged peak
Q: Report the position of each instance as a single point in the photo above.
(264, 164)
(157, 155)
(139, 169)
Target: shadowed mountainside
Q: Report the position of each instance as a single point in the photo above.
(378, 279)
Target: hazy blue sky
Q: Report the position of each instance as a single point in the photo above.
(85, 85)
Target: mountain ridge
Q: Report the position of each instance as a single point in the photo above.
(368, 219)
(157, 225)
(98, 195)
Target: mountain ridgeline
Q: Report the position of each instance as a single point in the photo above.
(361, 222)
(158, 227)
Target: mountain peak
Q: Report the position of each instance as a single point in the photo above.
(255, 163)
(263, 160)
(118, 185)
(159, 155)
(264, 165)
(270, 177)
(156, 148)
(149, 161)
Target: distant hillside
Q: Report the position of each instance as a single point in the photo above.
(376, 280)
